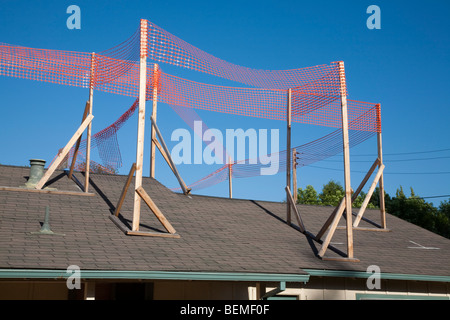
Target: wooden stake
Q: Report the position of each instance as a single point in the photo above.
(381, 182)
(348, 192)
(77, 146)
(141, 124)
(89, 130)
(230, 186)
(154, 112)
(64, 152)
(294, 174)
(288, 153)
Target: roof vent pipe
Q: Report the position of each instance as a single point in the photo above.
(36, 172)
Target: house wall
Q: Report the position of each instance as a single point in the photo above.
(339, 288)
(317, 288)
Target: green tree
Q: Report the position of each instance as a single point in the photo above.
(307, 196)
(332, 194)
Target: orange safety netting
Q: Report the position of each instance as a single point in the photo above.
(316, 91)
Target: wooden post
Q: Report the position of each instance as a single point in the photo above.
(141, 124)
(288, 154)
(380, 157)
(294, 174)
(154, 112)
(346, 145)
(230, 174)
(89, 129)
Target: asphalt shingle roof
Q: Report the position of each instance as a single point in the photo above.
(216, 234)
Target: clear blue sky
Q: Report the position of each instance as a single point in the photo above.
(404, 66)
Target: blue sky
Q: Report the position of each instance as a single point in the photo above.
(404, 66)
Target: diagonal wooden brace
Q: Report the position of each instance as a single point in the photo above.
(64, 152)
(169, 158)
(368, 196)
(143, 194)
(294, 207)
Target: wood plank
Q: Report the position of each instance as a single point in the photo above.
(64, 152)
(152, 234)
(346, 144)
(163, 153)
(77, 146)
(68, 193)
(368, 196)
(154, 113)
(288, 148)
(143, 194)
(297, 214)
(381, 182)
(125, 189)
(141, 123)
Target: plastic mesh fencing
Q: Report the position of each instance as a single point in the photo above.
(316, 92)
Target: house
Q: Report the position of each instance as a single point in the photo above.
(222, 249)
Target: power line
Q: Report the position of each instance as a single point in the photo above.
(395, 160)
(402, 153)
(409, 173)
(429, 197)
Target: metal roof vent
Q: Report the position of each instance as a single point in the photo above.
(36, 172)
(45, 229)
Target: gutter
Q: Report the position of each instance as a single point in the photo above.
(383, 275)
(152, 275)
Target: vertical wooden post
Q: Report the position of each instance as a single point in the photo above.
(348, 189)
(230, 174)
(141, 124)
(380, 163)
(89, 129)
(288, 155)
(154, 112)
(294, 175)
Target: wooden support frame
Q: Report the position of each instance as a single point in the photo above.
(294, 207)
(337, 213)
(63, 153)
(288, 153)
(169, 158)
